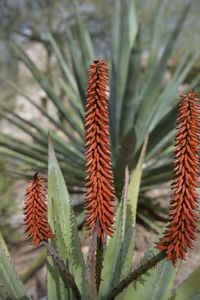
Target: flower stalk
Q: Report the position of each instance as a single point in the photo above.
(182, 228)
(67, 277)
(39, 231)
(35, 211)
(100, 193)
(134, 275)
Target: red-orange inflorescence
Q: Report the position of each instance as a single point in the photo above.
(181, 230)
(100, 194)
(35, 211)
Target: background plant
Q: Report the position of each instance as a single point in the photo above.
(141, 100)
(6, 193)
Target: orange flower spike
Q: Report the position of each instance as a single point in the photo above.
(100, 193)
(182, 228)
(35, 211)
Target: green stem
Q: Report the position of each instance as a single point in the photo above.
(134, 275)
(99, 262)
(90, 268)
(64, 271)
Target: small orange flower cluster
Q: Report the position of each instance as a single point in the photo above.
(100, 195)
(181, 230)
(35, 210)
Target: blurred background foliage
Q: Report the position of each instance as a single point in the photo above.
(26, 21)
(45, 52)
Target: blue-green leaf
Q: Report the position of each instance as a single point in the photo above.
(190, 288)
(62, 221)
(11, 285)
(133, 193)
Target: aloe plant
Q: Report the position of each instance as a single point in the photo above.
(108, 273)
(71, 277)
(140, 102)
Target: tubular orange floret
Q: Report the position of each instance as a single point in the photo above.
(100, 194)
(182, 228)
(35, 211)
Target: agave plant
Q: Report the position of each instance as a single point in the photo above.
(141, 102)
